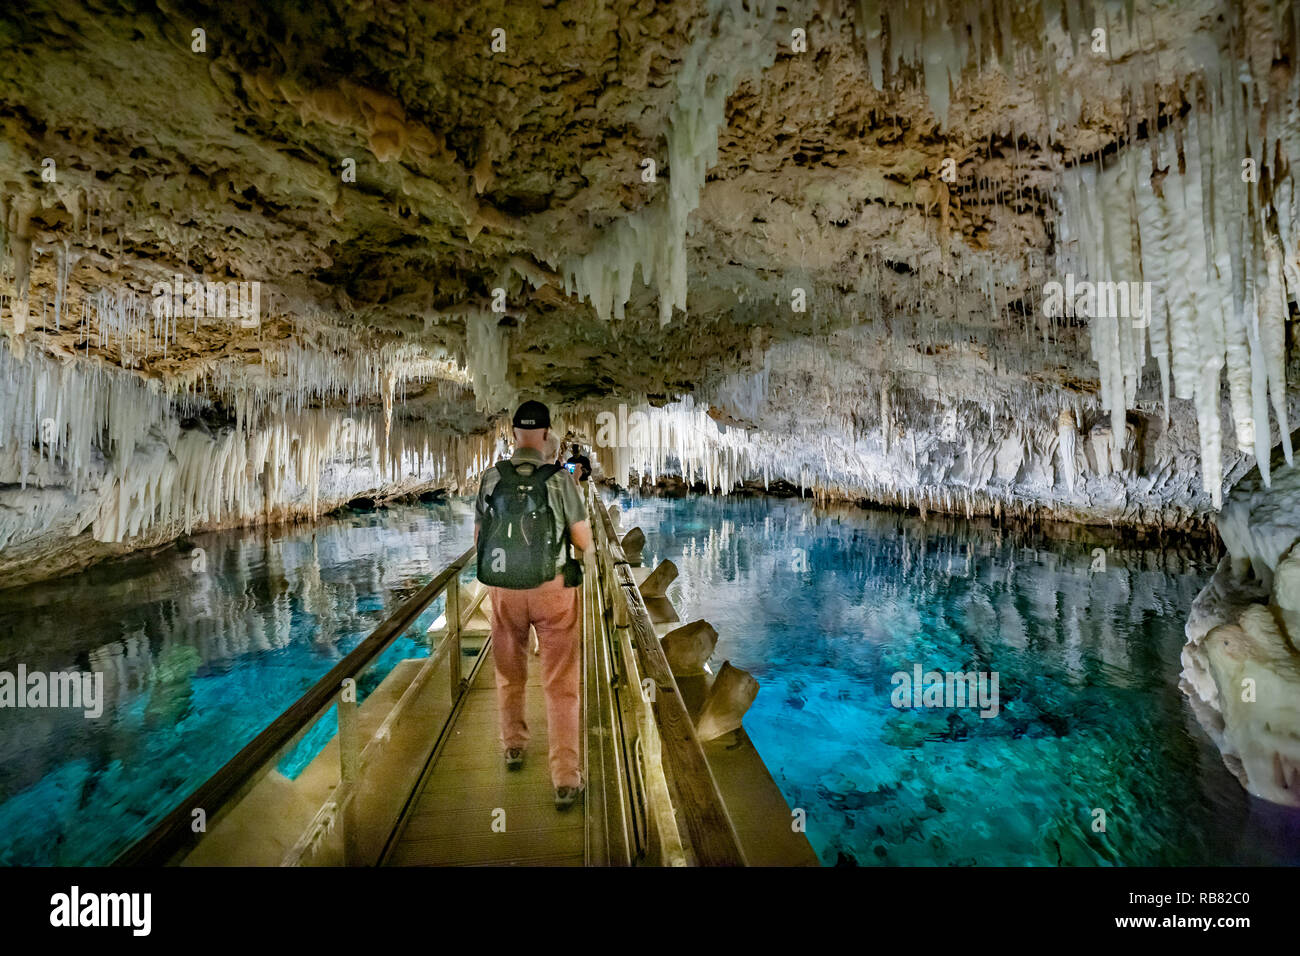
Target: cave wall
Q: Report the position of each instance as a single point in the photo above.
(822, 243)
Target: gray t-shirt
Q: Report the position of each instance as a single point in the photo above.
(561, 493)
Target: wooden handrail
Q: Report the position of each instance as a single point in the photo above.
(713, 836)
(173, 837)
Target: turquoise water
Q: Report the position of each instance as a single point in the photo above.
(195, 664)
(824, 607)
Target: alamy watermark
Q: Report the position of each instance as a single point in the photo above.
(217, 300)
(947, 689)
(1098, 300)
(623, 430)
(61, 689)
(128, 910)
(638, 429)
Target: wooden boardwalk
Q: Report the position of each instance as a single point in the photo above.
(467, 791)
(416, 775)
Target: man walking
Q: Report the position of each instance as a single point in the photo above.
(528, 512)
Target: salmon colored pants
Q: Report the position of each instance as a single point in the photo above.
(553, 610)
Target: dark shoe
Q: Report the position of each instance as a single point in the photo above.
(514, 758)
(565, 797)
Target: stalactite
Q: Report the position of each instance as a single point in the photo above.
(487, 352)
(1191, 227)
(86, 428)
(732, 44)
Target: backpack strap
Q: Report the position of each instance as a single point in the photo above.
(546, 472)
(506, 476)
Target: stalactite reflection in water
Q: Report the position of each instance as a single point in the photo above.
(195, 662)
(824, 605)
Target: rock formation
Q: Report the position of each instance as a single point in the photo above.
(1034, 257)
(1241, 664)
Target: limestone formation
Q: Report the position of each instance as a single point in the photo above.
(1241, 663)
(937, 255)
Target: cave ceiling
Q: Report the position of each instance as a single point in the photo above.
(381, 170)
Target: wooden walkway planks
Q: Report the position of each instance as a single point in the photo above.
(451, 821)
(466, 788)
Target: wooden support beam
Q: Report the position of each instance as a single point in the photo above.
(732, 693)
(688, 647)
(713, 836)
(612, 544)
(453, 635)
(472, 596)
(350, 772)
(656, 583)
(632, 544)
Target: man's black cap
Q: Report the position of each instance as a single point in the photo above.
(532, 415)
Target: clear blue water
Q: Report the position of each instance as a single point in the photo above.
(196, 664)
(824, 606)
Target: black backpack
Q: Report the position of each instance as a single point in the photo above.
(517, 544)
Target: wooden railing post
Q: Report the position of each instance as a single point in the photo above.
(349, 767)
(453, 635)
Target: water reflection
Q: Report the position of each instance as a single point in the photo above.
(824, 606)
(198, 656)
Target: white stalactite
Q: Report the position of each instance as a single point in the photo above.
(83, 428)
(1188, 233)
(731, 43)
